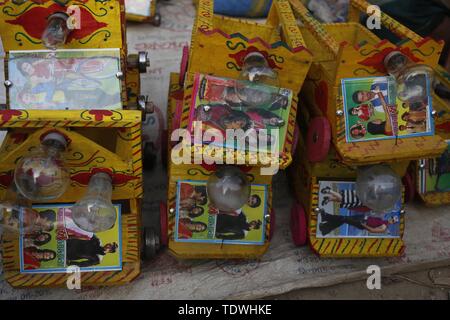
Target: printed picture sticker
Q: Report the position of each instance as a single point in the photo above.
(342, 215)
(198, 221)
(55, 243)
(435, 175)
(376, 109)
(65, 79)
(222, 104)
(138, 7)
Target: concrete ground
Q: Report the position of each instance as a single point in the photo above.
(431, 284)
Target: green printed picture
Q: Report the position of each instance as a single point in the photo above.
(373, 110)
(65, 79)
(198, 221)
(435, 176)
(223, 104)
(55, 242)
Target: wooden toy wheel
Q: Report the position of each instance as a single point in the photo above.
(184, 64)
(151, 243)
(319, 139)
(272, 224)
(163, 223)
(298, 225)
(410, 190)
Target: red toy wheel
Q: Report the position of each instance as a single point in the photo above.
(318, 139)
(163, 237)
(298, 225)
(272, 224)
(410, 190)
(184, 64)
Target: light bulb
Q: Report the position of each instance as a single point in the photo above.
(228, 189)
(56, 33)
(255, 76)
(412, 79)
(41, 175)
(378, 187)
(95, 211)
(257, 69)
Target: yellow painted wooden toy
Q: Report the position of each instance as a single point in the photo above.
(71, 168)
(350, 50)
(348, 149)
(198, 221)
(311, 181)
(142, 11)
(429, 178)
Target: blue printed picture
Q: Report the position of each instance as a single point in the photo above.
(65, 79)
(377, 108)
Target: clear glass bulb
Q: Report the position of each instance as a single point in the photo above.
(411, 77)
(256, 73)
(95, 211)
(56, 33)
(41, 175)
(378, 187)
(228, 189)
(257, 69)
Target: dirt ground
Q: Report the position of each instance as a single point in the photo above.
(433, 284)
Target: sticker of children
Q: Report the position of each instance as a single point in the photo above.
(56, 243)
(373, 111)
(342, 215)
(223, 104)
(65, 79)
(198, 221)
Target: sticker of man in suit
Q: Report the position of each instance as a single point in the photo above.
(235, 227)
(86, 253)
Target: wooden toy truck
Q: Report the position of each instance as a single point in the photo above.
(428, 178)
(227, 42)
(342, 51)
(100, 139)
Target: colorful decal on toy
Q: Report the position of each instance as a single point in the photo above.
(54, 242)
(223, 104)
(198, 221)
(240, 56)
(138, 7)
(34, 22)
(342, 215)
(12, 115)
(376, 61)
(375, 109)
(434, 174)
(65, 79)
